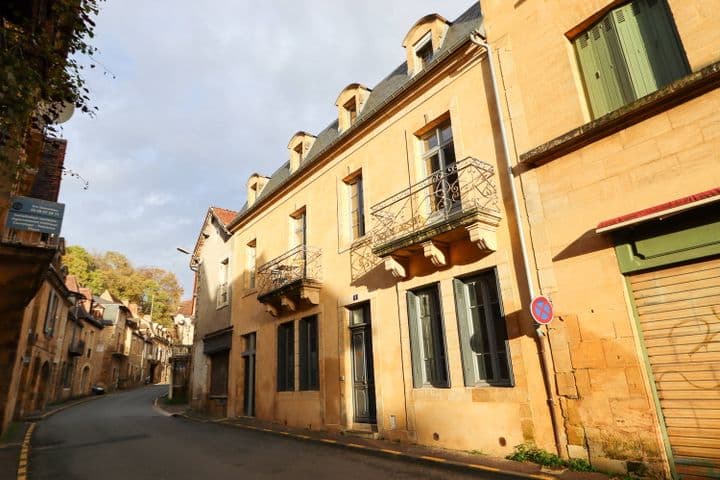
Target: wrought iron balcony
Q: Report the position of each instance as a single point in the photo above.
(76, 348)
(290, 279)
(455, 202)
(180, 350)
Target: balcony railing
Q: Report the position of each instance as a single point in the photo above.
(180, 350)
(300, 263)
(76, 348)
(463, 190)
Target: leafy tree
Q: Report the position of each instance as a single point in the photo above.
(40, 46)
(155, 290)
(82, 264)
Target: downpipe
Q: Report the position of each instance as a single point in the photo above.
(541, 339)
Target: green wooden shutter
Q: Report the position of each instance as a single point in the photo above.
(463, 318)
(591, 75)
(663, 46)
(303, 353)
(626, 20)
(413, 321)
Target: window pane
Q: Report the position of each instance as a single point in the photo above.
(445, 133)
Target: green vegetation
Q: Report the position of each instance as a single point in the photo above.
(41, 44)
(177, 400)
(527, 452)
(155, 290)
(11, 432)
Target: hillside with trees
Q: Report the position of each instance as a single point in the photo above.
(157, 291)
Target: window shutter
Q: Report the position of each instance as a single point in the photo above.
(664, 48)
(591, 74)
(417, 361)
(463, 327)
(627, 23)
(303, 354)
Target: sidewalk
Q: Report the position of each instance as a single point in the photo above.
(408, 452)
(10, 446)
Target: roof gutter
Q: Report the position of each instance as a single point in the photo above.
(360, 122)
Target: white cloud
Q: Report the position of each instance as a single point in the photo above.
(206, 93)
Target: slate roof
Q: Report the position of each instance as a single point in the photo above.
(385, 91)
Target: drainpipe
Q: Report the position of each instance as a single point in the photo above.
(541, 340)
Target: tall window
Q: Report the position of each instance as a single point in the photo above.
(51, 314)
(427, 339)
(286, 357)
(309, 362)
(298, 229)
(439, 159)
(222, 289)
(483, 334)
(250, 260)
(357, 215)
(631, 52)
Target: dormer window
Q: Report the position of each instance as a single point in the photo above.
(424, 52)
(350, 103)
(254, 186)
(423, 40)
(351, 111)
(299, 147)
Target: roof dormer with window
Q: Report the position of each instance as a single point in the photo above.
(299, 146)
(350, 103)
(255, 184)
(423, 40)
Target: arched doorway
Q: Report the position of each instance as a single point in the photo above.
(43, 385)
(85, 381)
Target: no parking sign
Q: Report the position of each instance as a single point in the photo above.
(541, 309)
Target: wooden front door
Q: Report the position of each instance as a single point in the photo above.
(362, 365)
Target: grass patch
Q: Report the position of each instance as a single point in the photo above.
(10, 432)
(527, 452)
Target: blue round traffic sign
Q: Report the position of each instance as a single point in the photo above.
(541, 309)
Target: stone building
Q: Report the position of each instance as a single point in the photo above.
(379, 280)
(212, 336)
(613, 118)
(25, 253)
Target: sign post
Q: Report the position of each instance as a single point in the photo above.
(541, 310)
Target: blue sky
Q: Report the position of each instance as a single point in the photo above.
(204, 94)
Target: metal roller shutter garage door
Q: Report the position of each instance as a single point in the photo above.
(679, 314)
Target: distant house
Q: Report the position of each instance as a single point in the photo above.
(212, 328)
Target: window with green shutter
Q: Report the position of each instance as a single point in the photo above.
(629, 53)
(483, 333)
(286, 357)
(308, 353)
(427, 339)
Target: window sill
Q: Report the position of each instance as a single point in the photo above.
(676, 93)
(249, 291)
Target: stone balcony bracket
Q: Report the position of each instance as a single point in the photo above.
(436, 252)
(396, 267)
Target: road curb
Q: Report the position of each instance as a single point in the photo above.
(383, 452)
(36, 418)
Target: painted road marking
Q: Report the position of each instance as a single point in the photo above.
(394, 452)
(433, 459)
(24, 450)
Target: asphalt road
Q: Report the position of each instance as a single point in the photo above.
(122, 436)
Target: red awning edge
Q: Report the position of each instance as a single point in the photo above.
(667, 208)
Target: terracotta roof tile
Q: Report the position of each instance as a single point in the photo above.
(224, 215)
(186, 307)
